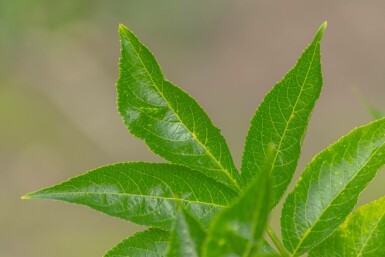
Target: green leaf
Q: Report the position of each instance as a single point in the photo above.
(329, 187)
(186, 238)
(170, 121)
(362, 234)
(282, 118)
(148, 243)
(265, 250)
(237, 230)
(144, 193)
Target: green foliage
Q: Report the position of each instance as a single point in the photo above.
(187, 237)
(170, 121)
(149, 243)
(329, 187)
(200, 205)
(362, 234)
(237, 231)
(282, 119)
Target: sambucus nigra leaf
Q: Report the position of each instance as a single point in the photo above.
(144, 193)
(282, 118)
(329, 187)
(170, 121)
(362, 234)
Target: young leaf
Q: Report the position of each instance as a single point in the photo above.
(237, 230)
(282, 118)
(148, 243)
(144, 193)
(186, 238)
(329, 187)
(362, 234)
(170, 121)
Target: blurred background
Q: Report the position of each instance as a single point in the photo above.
(58, 118)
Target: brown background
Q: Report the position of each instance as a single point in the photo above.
(58, 66)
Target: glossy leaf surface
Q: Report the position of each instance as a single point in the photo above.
(186, 238)
(329, 187)
(362, 234)
(282, 118)
(148, 243)
(170, 121)
(237, 230)
(144, 193)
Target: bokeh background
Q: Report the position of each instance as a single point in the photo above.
(58, 67)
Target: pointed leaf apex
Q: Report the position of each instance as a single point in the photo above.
(321, 30)
(25, 197)
(121, 27)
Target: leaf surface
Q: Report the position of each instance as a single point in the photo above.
(238, 230)
(362, 234)
(282, 118)
(170, 121)
(144, 193)
(329, 187)
(148, 243)
(186, 238)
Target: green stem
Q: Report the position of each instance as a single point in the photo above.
(276, 241)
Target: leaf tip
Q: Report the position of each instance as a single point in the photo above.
(32, 195)
(26, 197)
(123, 30)
(324, 25)
(121, 27)
(322, 29)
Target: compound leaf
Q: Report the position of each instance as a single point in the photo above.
(329, 187)
(148, 243)
(238, 230)
(170, 121)
(144, 193)
(282, 118)
(186, 238)
(362, 234)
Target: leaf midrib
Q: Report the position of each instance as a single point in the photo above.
(294, 109)
(126, 194)
(334, 198)
(169, 106)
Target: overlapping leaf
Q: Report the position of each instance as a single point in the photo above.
(186, 238)
(362, 234)
(237, 231)
(148, 243)
(144, 193)
(282, 118)
(329, 187)
(170, 121)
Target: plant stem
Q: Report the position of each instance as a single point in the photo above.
(276, 241)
